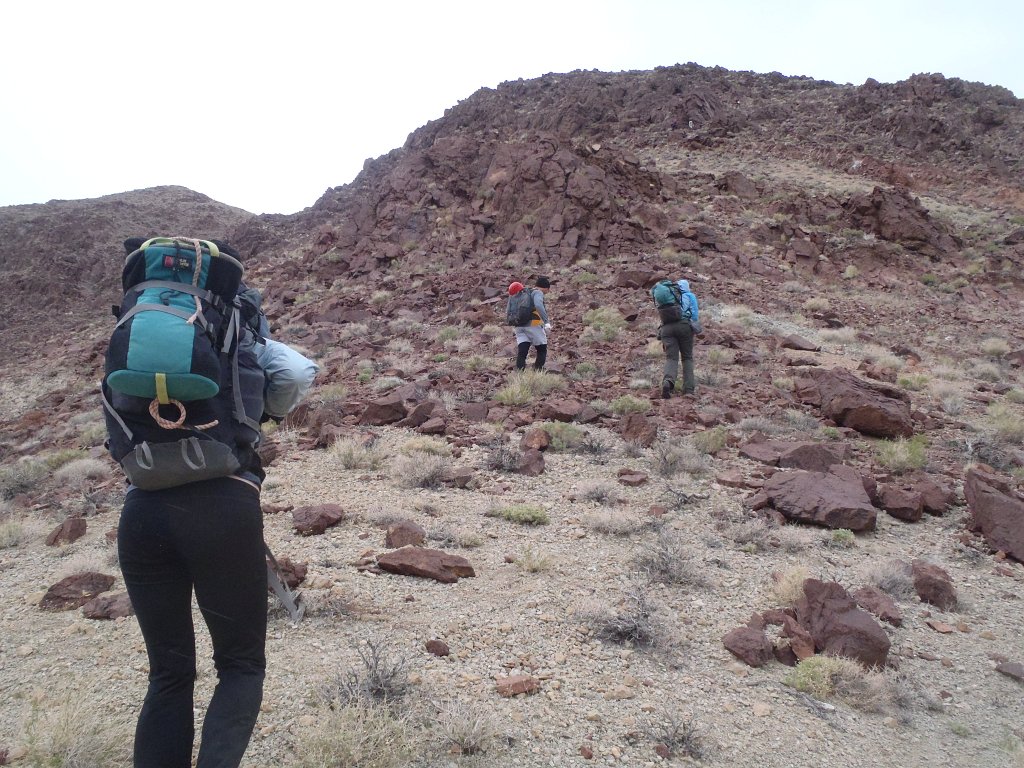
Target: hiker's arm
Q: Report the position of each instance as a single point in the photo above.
(694, 311)
(538, 304)
(289, 377)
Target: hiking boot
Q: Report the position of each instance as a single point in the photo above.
(666, 389)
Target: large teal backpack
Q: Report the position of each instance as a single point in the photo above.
(668, 300)
(182, 397)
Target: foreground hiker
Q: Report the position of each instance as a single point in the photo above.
(532, 325)
(680, 320)
(183, 398)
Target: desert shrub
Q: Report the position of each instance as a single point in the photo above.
(58, 459)
(502, 456)
(468, 729)
(842, 538)
(584, 370)
(420, 470)
(632, 622)
(385, 383)
(377, 298)
(77, 473)
(825, 676)
(434, 446)
(599, 492)
(564, 436)
(838, 336)
(21, 477)
(816, 304)
(481, 363)
(592, 445)
(915, 382)
(612, 523)
(989, 372)
(380, 678)
(13, 533)
(332, 393)
(358, 736)
(356, 454)
(892, 577)
(758, 424)
(788, 586)
(679, 736)
(523, 386)
(668, 561)
(75, 733)
(800, 421)
(523, 514)
(605, 322)
(710, 441)
(783, 383)
(585, 278)
(1007, 423)
(902, 455)
(1015, 395)
(850, 272)
(459, 537)
(534, 560)
(995, 348)
(450, 333)
(716, 357)
(620, 406)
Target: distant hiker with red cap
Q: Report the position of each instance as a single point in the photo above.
(527, 313)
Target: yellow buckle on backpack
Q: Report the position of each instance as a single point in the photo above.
(161, 388)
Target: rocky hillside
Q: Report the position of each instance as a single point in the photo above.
(846, 481)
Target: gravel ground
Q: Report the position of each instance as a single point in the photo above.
(507, 620)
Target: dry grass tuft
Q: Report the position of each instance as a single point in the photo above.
(380, 679)
(357, 454)
(358, 736)
(421, 470)
(468, 729)
(632, 623)
(788, 586)
(78, 473)
(75, 733)
(21, 477)
(668, 561)
(893, 577)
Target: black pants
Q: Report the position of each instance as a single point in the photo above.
(524, 349)
(207, 536)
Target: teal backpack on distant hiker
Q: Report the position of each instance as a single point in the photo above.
(182, 398)
(669, 301)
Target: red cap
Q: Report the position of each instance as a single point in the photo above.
(514, 289)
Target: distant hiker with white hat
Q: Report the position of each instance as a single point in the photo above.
(527, 313)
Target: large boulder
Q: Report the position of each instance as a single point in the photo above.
(871, 409)
(839, 627)
(426, 563)
(821, 498)
(816, 457)
(997, 512)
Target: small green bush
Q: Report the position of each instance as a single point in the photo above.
(21, 477)
(524, 514)
(355, 454)
(902, 455)
(564, 436)
(605, 322)
(620, 406)
(523, 386)
(710, 441)
(1007, 423)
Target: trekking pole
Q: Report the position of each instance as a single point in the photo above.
(292, 601)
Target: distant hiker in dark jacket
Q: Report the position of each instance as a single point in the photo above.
(534, 334)
(677, 341)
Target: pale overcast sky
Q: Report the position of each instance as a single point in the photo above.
(265, 105)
